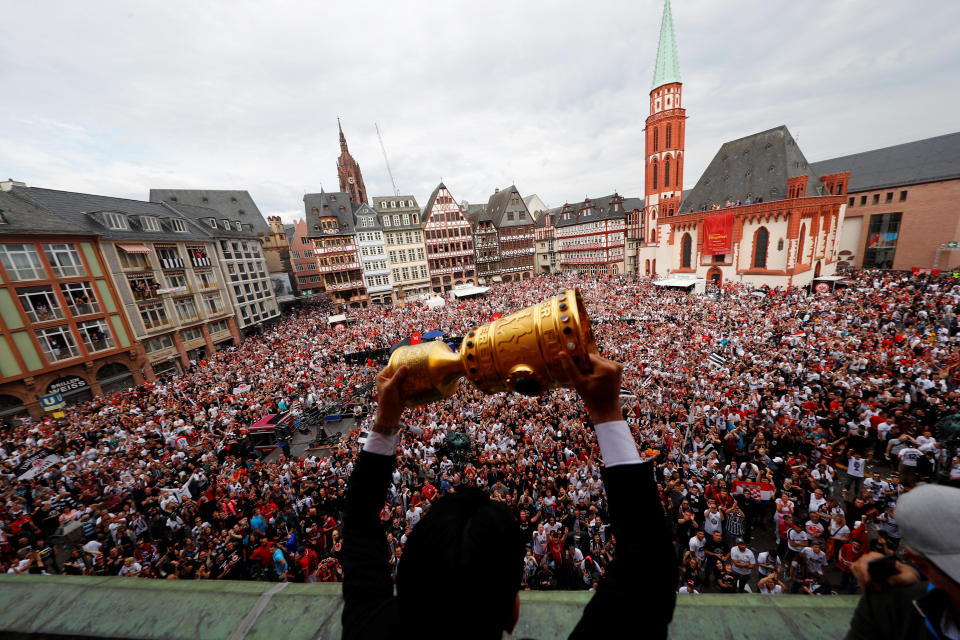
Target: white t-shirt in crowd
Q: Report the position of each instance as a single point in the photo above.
(815, 560)
(855, 467)
(742, 556)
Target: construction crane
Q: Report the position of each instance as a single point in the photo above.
(386, 160)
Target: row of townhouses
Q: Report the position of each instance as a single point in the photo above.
(100, 293)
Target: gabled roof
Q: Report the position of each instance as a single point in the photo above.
(290, 231)
(756, 166)
(501, 203)
(590, 210)
(337, 204)
(230, 204)
(928, 160)
(433, 197)
(667, 67)
(363, 210)
(19, 215)
(84, 210)
(432, 200)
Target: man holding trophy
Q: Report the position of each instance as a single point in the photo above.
(463, 562)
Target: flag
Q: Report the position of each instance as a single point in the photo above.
(415, 338)
(717, 360)
(494, 317)
(756, 490)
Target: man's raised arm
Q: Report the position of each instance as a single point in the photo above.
(367, 587)
(639, 589)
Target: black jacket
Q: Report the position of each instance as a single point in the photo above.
(912, 612)
(639, 590)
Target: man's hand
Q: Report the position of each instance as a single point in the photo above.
(599, 387)
(903, 576)
(389, 401)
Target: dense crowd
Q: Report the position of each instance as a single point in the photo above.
(785, 424)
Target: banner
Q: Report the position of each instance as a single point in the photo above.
(718, 234)
(757, 490)
(36, 463)
(922, 271)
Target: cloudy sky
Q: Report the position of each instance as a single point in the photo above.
(115, 98)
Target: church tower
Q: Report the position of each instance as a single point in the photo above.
(351, 181)
(666, 127)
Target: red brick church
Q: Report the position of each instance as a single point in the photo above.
(758, 214)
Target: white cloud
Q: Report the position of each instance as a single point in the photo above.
(552, 96)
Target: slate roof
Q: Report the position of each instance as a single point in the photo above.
(19, 215)
(290, 231)
(928, 160)
(427, 207)
(201, 215)
(366, 211)
(757, 166)
(80, 209)
(477, 213)
(338, 204)
(230, 204)
(599, 209)
(500, 204)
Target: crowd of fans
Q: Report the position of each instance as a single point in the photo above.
(824, 404)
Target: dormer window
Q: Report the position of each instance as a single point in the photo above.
(205, 199)
(212, 222)
(116, 221)
(333, 198)
(3, 218)
(241, 212)
(233, 198)
(226, 223)
(238, 225)
(150, 223)
(178, 225)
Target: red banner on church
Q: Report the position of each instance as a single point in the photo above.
(718, 234)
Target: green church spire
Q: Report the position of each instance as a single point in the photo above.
(667, 69)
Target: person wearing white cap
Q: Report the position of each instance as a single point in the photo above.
(899, 603)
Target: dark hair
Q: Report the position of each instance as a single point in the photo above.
(466, 557)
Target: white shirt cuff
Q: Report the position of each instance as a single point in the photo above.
(616, 443)
(382, 444)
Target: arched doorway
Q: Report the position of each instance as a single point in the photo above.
(11, 407)
(715, 276)
(114, 377)
(653, 267)
(646, 266)
(816, 270)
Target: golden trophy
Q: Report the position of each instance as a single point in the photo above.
(517, 352)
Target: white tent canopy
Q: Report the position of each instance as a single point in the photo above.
(465, 291)
(435, 302)
(332, 320)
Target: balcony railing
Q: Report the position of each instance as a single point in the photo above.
(341, 286)
(346, 248)
(487, 259)
(454, 269)
(449, 254)
(332, 268)
(512, 253)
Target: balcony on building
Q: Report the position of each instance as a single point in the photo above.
(144, 288)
